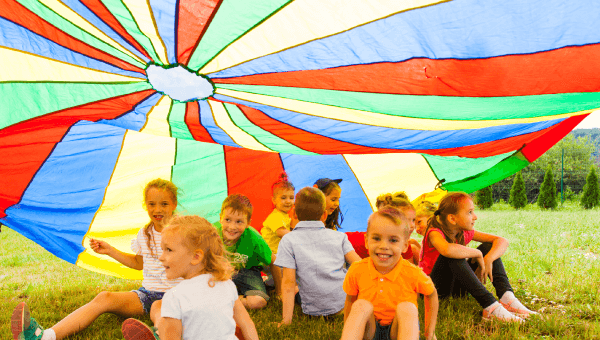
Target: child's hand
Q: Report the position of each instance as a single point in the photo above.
(284, 323)
(100, 247)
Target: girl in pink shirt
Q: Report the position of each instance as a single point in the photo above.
(456, 269)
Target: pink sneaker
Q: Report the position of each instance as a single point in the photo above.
(134, 329)
(500, 314)
(523, 313)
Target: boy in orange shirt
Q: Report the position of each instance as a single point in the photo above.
(382, 289)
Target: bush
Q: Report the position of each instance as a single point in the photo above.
(484, 198)
(547, 197)
(518, 195)
(591, 191)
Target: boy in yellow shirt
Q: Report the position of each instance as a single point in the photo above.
(382, 289)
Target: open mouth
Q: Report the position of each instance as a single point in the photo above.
(158, 217)
(384, 257)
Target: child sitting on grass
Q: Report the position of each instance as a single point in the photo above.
(278, 223)
(249, 251)
(315, 256)
(160, 200)
(205, 304)
(382, 289)
(456, 269)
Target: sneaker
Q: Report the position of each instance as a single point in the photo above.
(134, 329)
(500, 314)
(19, 321)
(521, 312)
(23, 326)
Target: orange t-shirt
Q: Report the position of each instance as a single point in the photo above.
(385, 292)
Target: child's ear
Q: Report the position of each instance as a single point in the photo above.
(406, 245)
(273, 200)
(324, 216)
(451, 218)
(198, 257)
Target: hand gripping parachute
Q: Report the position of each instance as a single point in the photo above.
(100, 96)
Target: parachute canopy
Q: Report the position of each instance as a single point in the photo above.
(220, 96)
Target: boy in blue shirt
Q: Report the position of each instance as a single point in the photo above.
(314, 256)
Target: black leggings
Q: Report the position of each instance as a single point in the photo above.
(456, 277)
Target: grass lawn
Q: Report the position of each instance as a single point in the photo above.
(553, 262)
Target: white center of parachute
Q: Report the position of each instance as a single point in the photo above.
(179, 83)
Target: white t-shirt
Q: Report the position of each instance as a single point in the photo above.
(155, 277)
(205, 312)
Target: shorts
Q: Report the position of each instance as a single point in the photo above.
(249, 282)
(147, 297)
(382, 332)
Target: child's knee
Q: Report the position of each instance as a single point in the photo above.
(362, 306)
(255, 302)
(485, 247)
(406, 310)
(155, 310)
(104, 298)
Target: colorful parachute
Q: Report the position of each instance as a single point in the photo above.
(100, 96)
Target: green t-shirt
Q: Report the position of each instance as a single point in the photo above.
(251, 250)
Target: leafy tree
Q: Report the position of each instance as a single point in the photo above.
(547, 197)
(591, 191)
(484, 198)
(518, 195)
(578, 157)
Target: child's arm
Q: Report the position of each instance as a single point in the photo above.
(130, 260)
(499, 246)
(452, 250)
(281, 231)
(431, 311)
(170, 329)
(287, 288)
(352, 257)
(242, 319)
(348, 305)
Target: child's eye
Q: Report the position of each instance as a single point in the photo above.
(393, 240)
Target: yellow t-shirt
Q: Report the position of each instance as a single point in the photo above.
(274, 221)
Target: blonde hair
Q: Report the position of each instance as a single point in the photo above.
(310, 204)
(449, 205)
(161, 184)
(425, 208)
(394, 215)
(239, 203)
(198, 233)
(396, 200)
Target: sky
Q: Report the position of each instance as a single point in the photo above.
(591, 121)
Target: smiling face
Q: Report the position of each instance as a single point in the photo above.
(385, 242)
(283, 199)
(465, 216)
(234, 223)
(177, 258)
(421, 224)
(332, 200)
(160, 206)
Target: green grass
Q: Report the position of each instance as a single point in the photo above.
(553, 262)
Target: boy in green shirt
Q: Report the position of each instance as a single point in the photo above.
(249, 251)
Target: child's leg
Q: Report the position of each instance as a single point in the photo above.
(500, 279)
(360, 323)
(155, 313)
(122, 303)
(447, 273)
(251, 288)
(502, 285)
(406, 322)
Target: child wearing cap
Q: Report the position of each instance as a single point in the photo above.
(314, 256)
